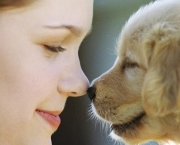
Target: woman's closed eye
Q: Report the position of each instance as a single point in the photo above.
(55, 49)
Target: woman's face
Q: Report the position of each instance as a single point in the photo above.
(35, 79)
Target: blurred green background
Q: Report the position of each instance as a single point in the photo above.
(97, 55)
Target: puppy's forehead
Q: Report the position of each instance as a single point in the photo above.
(129, 44)
(129, 49)
(130, 53)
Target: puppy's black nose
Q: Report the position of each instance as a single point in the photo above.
(91, 93)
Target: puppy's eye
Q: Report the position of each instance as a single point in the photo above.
(128, 64)
(55, 49)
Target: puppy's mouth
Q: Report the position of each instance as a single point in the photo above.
(131, 125)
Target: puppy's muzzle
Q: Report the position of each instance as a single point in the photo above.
(91, 93)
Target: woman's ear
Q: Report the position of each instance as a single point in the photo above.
(161, 88)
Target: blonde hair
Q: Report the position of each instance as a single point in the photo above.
(15, 3)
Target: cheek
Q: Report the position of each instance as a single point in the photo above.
(134, 77)
(25, 77)
(26, 84)
(23, 90)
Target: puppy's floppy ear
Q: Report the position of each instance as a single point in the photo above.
(161, 88)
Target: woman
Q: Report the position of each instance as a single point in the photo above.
(39, 65)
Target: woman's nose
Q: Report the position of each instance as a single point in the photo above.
(73, 84)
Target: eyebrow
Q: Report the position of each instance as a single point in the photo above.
(77, 31)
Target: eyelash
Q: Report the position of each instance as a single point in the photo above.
(54, 49)
(129, 65)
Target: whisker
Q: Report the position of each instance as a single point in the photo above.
(104, 126)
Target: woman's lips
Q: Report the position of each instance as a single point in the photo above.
(51, 117)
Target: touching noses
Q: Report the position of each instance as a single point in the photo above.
(91, 93)
(74, 83)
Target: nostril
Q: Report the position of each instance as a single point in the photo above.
(91, 93)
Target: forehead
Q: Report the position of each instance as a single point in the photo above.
(81, 8)
(129, 46)
(53, 14)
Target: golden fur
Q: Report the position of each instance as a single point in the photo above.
(144, 82)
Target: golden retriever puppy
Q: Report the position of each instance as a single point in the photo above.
(140, 95)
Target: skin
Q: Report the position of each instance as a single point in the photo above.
(32, 77)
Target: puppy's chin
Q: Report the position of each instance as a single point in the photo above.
(120, 139)
(116, 137)
(128, 130)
